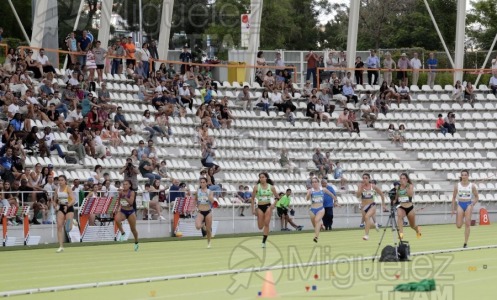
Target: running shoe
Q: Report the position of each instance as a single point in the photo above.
(61, 249)
(299, 228)
(362, 225)
(405, 223)
(315, 240)
(137, 246)
(418, 233)
(162, 218)
(465, 245)
(377, 227)
(366, 237)
(263, 245)
(208, 245)
(121, 238)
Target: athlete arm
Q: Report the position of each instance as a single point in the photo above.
(131, 198)
(475, 193)
(70, 199)
(377, 189)
(275, 194)
(254, 192)
(308, 196)
(410, 191)
(211, 197)
(359, 191)
(454, 194)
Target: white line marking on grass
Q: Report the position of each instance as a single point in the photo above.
(216, 273)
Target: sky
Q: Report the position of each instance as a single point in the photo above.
(325, 18)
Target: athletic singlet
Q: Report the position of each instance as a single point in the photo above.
(464, 193)
(203, 197)
(368, 194)
(264, 196)
(124, 199)
(63, 196)
(317, 196)
(403, 197)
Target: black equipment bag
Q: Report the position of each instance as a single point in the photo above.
(388, 254)
(404, 251)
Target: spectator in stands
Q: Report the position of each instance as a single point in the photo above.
(388, 64)
(264, 102)
(311, 109)
(50, 144)
(338, 174)
(450, 122)
(373, 63)
(244, 98)
(469, 93)
(157, 196)
(33, 66)
(416, 66)
(393, 93)
(130, 50)
(211, 181)
(93, 120)
(320, 162)
(326, 97)
(185, 57)
(100, 150)
(440, 124)
(117, 52)
(45, 62)
(322, 114)
(290, 116)
(226, 118)
(367, 114)
(458, 91)
(312, 61)
(493, 83)
(269, 80)
(348, 92)
(353, 121)
(185, 96)
(147, 125)
(130, 172)
(287, 101)
(120, 120)
(343, 118)
(75, 144)
(146, 169)
(84, 44)
(359, 64)
(432, 64)
(404, 92)
(403, 65)
(175, 190)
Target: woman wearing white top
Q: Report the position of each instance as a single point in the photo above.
(323, 116)
(458, 91)
(263, 102)
(91, 64)
(467, 196)
(65, 199)
(147, 124)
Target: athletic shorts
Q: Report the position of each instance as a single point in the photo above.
(282, 211)
(205, 213)
(407, 209)
(464, 205)
(127, 213)
(263, 207)
(70, 209)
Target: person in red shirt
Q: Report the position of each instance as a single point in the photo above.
(312, 61)
(440, 124)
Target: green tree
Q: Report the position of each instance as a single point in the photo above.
(481, 25)
(9, 23)
(333, 35)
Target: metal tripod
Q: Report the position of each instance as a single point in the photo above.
(393, 224)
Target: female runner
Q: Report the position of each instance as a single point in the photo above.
(128, 211)
(316, 195)
(264, 190)
(467, 197)
(366, 192)
(403, 200)
(65, 214)
(204, 199)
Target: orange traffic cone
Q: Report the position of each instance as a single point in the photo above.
(484, 219)
(268, 290)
